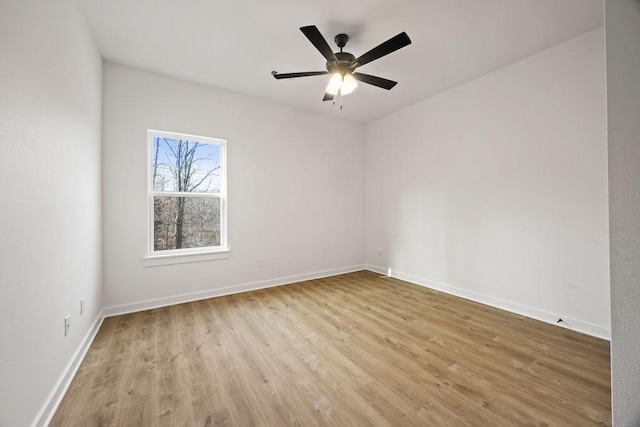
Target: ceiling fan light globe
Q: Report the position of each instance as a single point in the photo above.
(349, 84)
(334, 84)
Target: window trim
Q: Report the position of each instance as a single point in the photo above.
(176, 256)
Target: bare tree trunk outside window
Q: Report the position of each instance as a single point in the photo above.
(179, 222)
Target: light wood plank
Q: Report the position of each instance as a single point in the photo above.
(355, 349)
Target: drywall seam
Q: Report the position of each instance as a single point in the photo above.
(229, 290)
(59, 390)
(534, 313)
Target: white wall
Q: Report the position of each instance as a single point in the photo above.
(497, 190)
(623, 101)
(50, 256)
(295, 184)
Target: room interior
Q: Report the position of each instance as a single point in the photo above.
(503, 167)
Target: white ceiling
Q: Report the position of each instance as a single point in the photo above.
(236, 44)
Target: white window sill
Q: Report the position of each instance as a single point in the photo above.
(168, 259)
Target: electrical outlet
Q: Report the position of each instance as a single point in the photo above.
(81, 306)
(260, 262)
(67, 325)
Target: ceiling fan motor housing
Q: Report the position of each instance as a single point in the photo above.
(345, 64)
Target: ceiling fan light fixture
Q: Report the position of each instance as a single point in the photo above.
(349, 83)
(334, 84)
(341, 65)
(345, 85)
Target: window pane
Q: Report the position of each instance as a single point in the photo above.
(185, 222)
(180, 165)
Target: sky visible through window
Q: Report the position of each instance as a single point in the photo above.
(182, 165)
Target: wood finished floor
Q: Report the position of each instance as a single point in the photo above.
(351, 350)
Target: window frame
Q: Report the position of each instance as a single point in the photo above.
(183, 255)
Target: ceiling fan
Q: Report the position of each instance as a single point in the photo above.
(341, 65)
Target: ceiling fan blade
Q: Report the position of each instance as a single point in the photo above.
(375, 81)
(391, 45)
(314, 36)
(327, 97)
(303, 74)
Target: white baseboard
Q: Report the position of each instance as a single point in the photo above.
(376, 269)
(236, 289)
(534, 313)
(55, 397)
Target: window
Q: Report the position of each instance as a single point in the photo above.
(187, 198)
